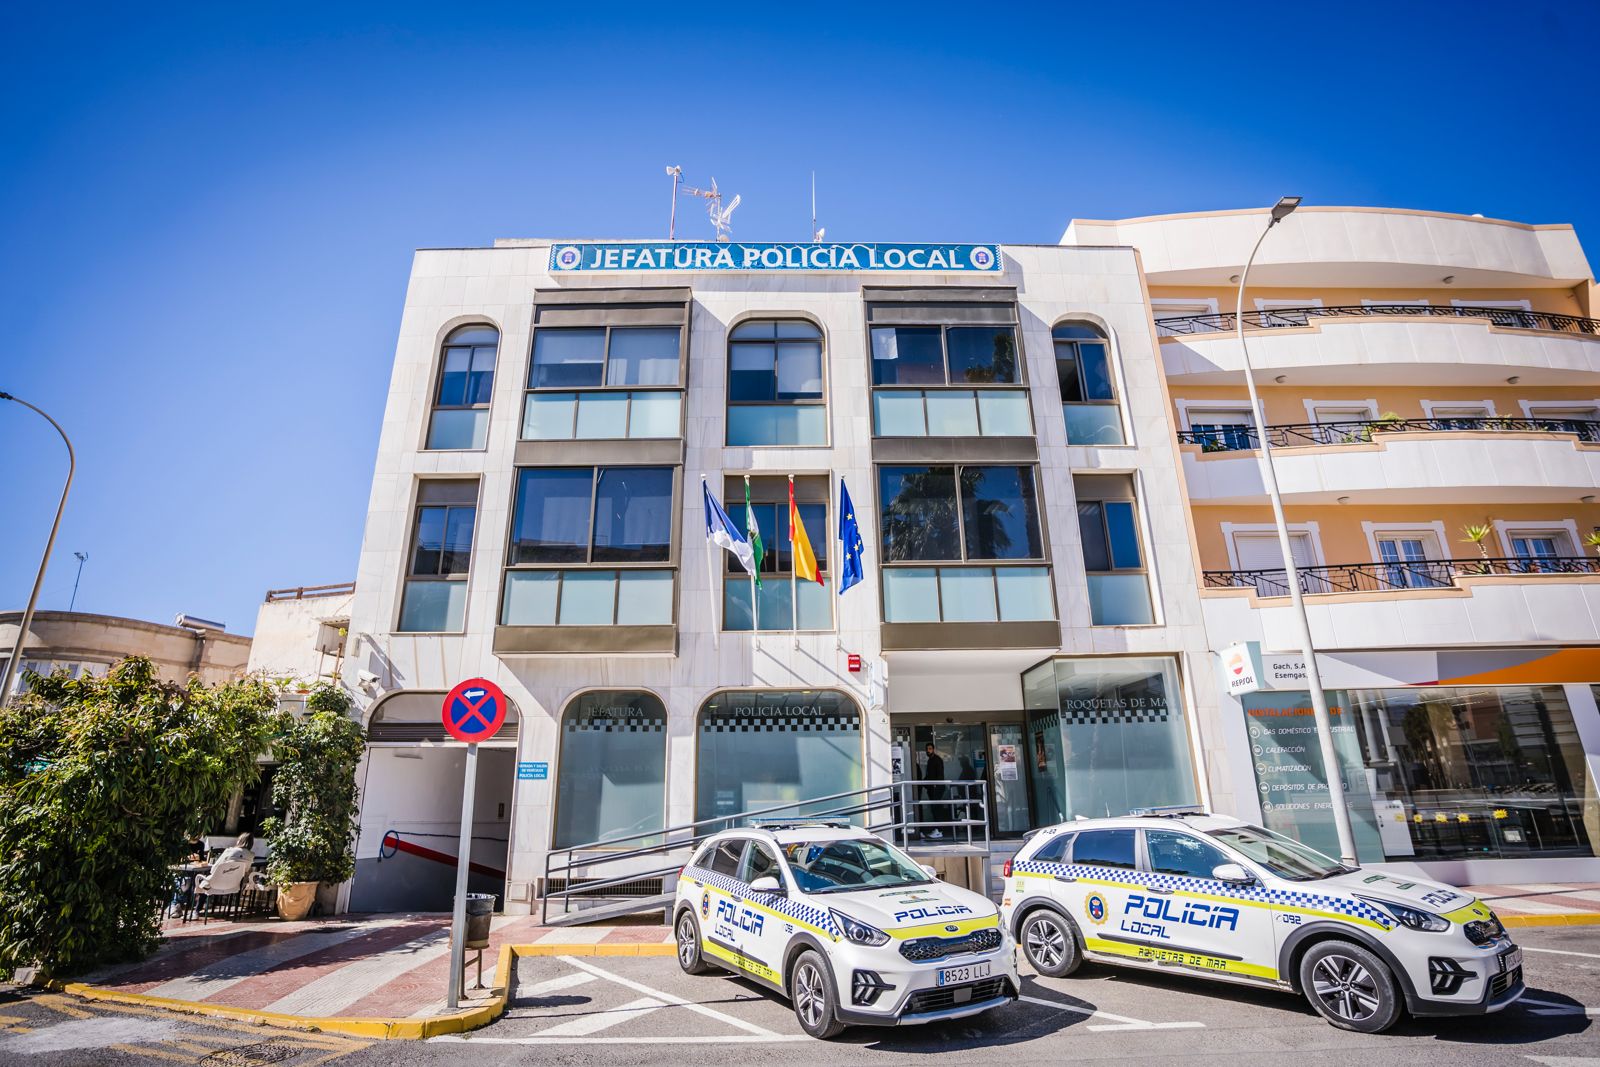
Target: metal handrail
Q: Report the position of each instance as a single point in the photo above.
(308, 592)
(1224, 322)
(1398, 575)
(1242, 437)
(906, 816)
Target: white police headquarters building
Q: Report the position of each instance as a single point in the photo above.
(1030, 596)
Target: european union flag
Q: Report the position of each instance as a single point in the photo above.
(849, 540)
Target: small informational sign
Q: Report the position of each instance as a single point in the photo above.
(474, 710)
(533, 772)
(853, 661)
(1246, 669)
(1006, 757)
(816, 256)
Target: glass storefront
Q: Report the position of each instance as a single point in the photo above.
(611, 768)
(761, 749)
(1106, 735)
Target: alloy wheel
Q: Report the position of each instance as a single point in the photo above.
(808, 995)
(688, 942)
(1047, 942)
(1346, 988)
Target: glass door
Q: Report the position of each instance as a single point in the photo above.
(1008, 785)
(994, 753)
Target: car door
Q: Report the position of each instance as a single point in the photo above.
(1105, 866)
(763, 936)
(720, 900)
(1217, 926)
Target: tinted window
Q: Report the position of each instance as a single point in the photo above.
(1054, 850)
(1104, 848)
(1091, 526)
(907, 355)
(919, 513)
(633, 515)
(643, 355)
(725, 857)
(1000, 512)
(1175, 853)
(564, 358)
(758, 863)
(982, 353)
(552, 520)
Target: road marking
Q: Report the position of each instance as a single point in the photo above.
(337, 990)
(1555, 1007)
(229, 971)
(1120, 1022)
(1561, 952)
(594, 1022)
(551, 985)
(637, 987)
(539, 1039)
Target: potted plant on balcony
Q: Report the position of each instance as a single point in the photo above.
(313, 840)
(1478, 534)
(1592, 540)
(1389, 422)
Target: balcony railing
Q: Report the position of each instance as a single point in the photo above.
(1238, 438)
(1389, 577)
(1224, 322)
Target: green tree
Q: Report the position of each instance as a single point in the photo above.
(315, 788)
(103, 783)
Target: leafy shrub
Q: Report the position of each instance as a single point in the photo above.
(315, 788)
(104, 782)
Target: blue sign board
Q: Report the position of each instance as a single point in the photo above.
(799, 256)
(533, 772)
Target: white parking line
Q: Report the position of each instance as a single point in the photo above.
(551, 985)
(637, 987)
(1119, 1022)
(594, 1022)
(1555, 1007)
(1562, 952)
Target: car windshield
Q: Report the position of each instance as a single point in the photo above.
(1283, 856)
(850, 864)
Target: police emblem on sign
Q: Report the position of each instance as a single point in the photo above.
(1095, 906)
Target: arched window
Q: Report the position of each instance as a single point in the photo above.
(760, 749)
(1088, 389)
(611, 768)
(775, 384)
(466, 378)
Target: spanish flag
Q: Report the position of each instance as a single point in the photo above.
(805, 560)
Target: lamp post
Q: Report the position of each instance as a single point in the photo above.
(14, 663)
(1319, 699)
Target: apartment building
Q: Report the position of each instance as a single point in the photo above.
(1030, 606)
(1429, 385)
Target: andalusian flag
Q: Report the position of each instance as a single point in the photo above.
(805, 560)
(752, 533)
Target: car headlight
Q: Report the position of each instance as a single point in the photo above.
(1415, 918)
(858, 932)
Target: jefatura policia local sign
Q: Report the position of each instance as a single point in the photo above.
(738, 255)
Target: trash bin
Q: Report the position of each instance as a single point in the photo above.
(480, 909)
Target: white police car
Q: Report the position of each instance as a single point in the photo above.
(1214, 896)
(844, 924)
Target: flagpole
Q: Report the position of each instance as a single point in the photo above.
(794, 581)
(711, 578)
(755, 613)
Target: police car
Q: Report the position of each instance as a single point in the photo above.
(845, 925)
(1211, 895)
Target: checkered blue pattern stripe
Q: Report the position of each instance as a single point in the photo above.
(798, 910)
(1356, 909)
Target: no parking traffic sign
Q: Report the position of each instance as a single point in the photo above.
(474, 710)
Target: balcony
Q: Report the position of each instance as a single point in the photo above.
(1280, 318)
(1293, 435)
(1396, 577)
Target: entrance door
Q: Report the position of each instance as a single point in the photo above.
(968, 752)
(1008, 784)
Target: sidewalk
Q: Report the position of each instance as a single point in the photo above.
(365, 974)
(1565, 904)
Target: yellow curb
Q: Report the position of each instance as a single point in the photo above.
(1572, 918)
(642, 948)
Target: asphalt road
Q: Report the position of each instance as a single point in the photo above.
(633, 1012)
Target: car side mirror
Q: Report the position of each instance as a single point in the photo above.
(766, 884)
(1233, 873)
(929, 871)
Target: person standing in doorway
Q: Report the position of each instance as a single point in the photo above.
(933, 771)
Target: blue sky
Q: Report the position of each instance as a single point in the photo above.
(209, 212)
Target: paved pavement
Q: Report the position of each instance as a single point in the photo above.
(1567, 900)
(633, 1011)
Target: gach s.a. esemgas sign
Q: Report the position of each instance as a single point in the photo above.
(737, 255)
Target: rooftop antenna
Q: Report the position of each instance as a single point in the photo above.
(676, 173)
(816, 234)
(718, 214)
(83, 557)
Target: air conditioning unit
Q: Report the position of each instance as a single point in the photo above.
(331, 636)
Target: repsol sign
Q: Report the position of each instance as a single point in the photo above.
(744, 256)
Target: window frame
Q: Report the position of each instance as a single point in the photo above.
(963, 562)
(671, 564)
(921, 390)
(434, 407)
(681, 388)
(1129, 482)
(465, 578)
(821, 400)
(569, 709)
(1112, 375)
(1147, 858)
(804, 497)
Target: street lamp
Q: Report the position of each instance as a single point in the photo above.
(1319, 699)
(14, 663)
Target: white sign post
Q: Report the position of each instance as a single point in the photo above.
(472, 712)
(458, 916)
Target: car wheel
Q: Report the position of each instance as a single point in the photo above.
(816, 1002)
(1050, 943)
(689, 955)
(1350, 987)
